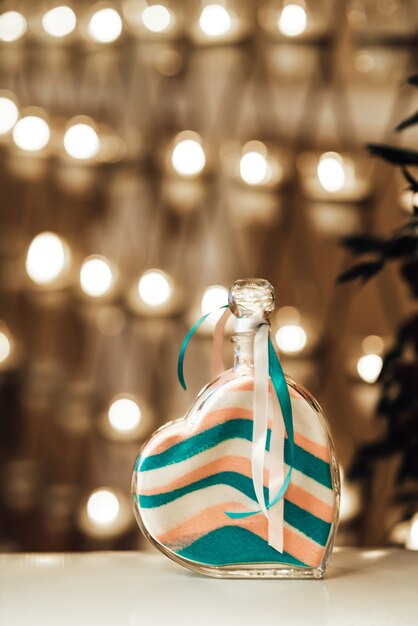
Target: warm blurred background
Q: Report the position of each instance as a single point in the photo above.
(150, 155)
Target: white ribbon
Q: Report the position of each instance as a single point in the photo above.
(264, 404)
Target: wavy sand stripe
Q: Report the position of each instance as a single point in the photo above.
(214, 418)
(232, 463)
(311, 486)
(233, 544)
(234, 428)
(157, 478)
(309, 502)
(192, 529)
(316, 449)
(229, 482)
(162, 519)
(220, 417)
(242, 465)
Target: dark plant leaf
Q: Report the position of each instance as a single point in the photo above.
(413, 184)
(397, 247)
(410, 121)
(398, 156)
(365, 271)
(364, 459)
(413, 80)
(361, 467)
(359, 244)
(407, 375)
(392, 354)
(408, 334)
(405, 497)
(409, 465)
(409, 271)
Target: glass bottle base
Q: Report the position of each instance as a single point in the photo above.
(252, 571)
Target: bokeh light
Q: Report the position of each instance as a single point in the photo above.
(292, 20)
(105, 26)
(331, 172)
(124, 414)
(369, 367)
(188, 157)
(155, 288)
(46, 258)
(5, 347)
(254, 168)
(103, 507)
(31, 133)
(412, 537)
(81, 141)
(96, 277)
(214, 297)
(12, 26)
(59, 21)
(156, 18)
(350, 501)
(215, 20)
(291, 338)
(8, 115)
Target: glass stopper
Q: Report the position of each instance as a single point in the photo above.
(251, 296)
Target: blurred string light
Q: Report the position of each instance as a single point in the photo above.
(155, 288)
(350, 501)
(46, 258)
(12, 26)
(96, 277)
(399, 533)
(157, 18)
(331, 172)
(81, 141)
(409, 200)
(9, 114)
(369, 365)
(105, 514)
(105, 25)
(188, 157)
(412, 537)
(213, 297)
(254, 167)
(5, 347)
(31, 133)
(291, 338)
(103, 507)
(292, 20)
(59, 21)
(124, 414)
(214, 20)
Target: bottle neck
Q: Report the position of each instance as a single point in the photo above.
(244, 351)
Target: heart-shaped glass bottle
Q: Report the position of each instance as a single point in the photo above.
(195, 473)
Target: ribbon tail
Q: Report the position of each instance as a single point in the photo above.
(276, 476)
(282, 393)
(260, 413)
(180, 362)
(218, 337)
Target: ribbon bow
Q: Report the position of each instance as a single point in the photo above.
(265, 363)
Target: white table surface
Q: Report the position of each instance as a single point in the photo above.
(375, 587)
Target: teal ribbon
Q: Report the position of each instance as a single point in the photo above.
(280, 386)
(180, 362)
(282, 392)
